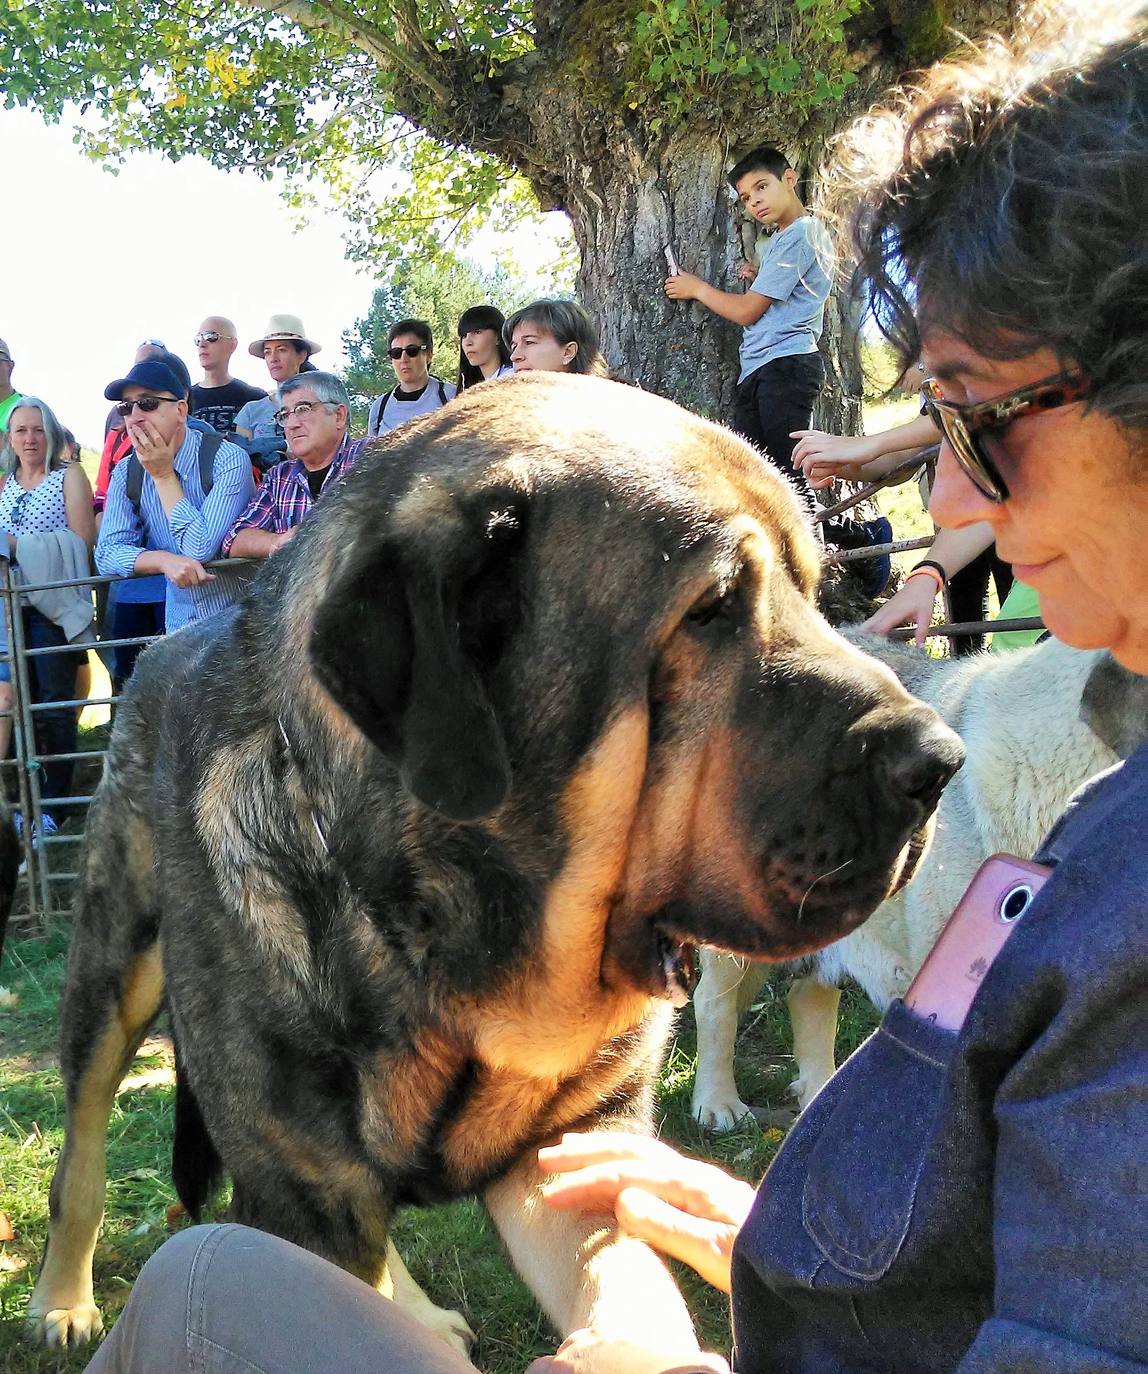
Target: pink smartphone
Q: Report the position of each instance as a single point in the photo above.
(1000, 893)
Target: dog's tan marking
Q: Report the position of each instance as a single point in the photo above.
(63, 1308)
(558, 1015)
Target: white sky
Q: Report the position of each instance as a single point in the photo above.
(91, 264)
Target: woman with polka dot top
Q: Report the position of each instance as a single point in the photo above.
(42, 492)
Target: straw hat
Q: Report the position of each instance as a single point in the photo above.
(283, 327)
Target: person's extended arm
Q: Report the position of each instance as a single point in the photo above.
(198, 534)
(255, 533)
(741, 307)
(681, 1206)
(78, 504)
(913, 604)
(861, 457)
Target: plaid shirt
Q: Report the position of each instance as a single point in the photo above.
(284, 498)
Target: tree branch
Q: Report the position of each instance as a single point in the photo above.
(331, 18)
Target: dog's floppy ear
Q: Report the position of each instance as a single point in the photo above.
(402, 639)
(1114, 706)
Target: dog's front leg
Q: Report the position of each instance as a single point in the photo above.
(398, 1285)
(583, 1271)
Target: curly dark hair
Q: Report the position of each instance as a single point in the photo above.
(1005, 199)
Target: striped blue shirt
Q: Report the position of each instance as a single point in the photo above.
(195, 528)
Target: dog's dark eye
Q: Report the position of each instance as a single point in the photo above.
(715, 606)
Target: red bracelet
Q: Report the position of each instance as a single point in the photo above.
(927, 570)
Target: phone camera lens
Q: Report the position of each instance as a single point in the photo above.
(1015, 902)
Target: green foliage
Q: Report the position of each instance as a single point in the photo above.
(880, 368)
(688, 60)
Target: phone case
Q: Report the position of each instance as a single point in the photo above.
(1000, 893)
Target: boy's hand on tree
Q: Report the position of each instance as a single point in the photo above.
(747, 271)
(683, 287)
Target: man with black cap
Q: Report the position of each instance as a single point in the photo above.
(176, 520)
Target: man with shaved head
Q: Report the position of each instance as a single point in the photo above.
(220, 396)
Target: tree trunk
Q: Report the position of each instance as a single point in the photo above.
(624, 213)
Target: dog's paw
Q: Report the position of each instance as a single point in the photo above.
(806, 1086)
(721, 1113)
(61, 1327)
(451, 1327)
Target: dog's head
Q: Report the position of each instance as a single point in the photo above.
(580, 618)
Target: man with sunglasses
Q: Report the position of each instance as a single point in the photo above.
(410, 347)
(176, 526)
(220, 396)
(314, 411)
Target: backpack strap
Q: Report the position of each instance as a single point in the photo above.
(208, 448)
(441, 391)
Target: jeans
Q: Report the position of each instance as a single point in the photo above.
(52, 678)
(230, 1300)
(771, 402)
(128, 620)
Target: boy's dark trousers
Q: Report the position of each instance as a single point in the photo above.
(776, 399)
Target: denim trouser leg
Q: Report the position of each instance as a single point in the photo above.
(230, 1300)
(53, 679)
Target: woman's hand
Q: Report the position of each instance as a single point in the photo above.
(585, 1352)
(683, 1207)
(913, 605)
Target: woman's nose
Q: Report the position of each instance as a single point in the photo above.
(955, 501)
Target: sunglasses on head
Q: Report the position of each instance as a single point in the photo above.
(146, 403)
(974, 432)
(206, 336)
(411, 350)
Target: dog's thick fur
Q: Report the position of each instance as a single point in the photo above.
(1036, 724)
(414, 844)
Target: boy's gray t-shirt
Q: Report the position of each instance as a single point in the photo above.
(794, 273)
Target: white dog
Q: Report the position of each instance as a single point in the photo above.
(1028, 749)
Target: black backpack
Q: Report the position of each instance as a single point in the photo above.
(208, 448)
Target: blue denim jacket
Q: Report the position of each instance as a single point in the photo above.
(979, 1201)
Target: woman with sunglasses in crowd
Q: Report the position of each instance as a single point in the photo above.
(554, 336)
(483, 355)
(43, 492)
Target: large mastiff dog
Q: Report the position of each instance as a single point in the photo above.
(416, 843)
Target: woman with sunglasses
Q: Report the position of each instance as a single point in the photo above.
(483, 355)
(42, 493)
(974, 1199)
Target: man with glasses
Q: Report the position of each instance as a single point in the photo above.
(8, 396)
(220, 396)
(410, 347)
(314, 411)
(178, 522)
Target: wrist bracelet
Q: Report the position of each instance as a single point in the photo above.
(928, 568)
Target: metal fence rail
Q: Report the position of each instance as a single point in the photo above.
(43, 869)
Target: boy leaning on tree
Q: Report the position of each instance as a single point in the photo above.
(781, 315)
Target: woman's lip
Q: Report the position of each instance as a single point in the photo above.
(1027, 572)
